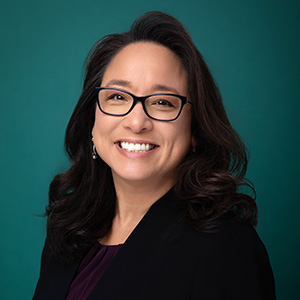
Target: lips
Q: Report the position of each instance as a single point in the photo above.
(136, 147)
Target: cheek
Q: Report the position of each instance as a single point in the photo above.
(103, 124)
(180, 135)
(183, 126)
(101, 130)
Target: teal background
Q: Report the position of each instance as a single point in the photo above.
(252, 48)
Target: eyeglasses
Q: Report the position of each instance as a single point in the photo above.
(160, 106)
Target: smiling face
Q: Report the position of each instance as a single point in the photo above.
(137, 148)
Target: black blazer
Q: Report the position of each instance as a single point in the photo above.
(162, 260)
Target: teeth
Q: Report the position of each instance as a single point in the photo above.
(131, 147)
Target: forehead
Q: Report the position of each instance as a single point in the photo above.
(146, 64)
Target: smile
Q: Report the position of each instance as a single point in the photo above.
(131, 147)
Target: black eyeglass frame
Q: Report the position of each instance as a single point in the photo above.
(142, 99)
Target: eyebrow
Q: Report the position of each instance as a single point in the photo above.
(165, 88)
(119, 82)
(157, 87)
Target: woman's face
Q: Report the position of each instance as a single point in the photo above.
(144, 68)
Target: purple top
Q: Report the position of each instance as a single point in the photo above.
(91, 269)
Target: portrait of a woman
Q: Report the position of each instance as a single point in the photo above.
(155, 204)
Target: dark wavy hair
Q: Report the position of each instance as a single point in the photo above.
(82, 199)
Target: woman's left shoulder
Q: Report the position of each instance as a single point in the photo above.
(233, 261)
(236, 234)
(236, 240)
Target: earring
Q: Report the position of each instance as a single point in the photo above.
(194, 148)
(94, 153)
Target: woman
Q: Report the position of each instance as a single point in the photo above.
(151, 207)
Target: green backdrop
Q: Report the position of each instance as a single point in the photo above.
(252, 48)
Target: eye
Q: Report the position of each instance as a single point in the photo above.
(163, 103)
(116, 97)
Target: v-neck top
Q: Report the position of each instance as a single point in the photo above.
(91, 269)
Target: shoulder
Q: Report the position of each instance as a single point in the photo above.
(233, 244)
(55, 276)
(230, 263)
(234, 262)
(232, 240)
(236, 235)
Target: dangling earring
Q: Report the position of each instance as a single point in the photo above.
(94, 153)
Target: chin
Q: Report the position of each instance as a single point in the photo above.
(133, 178)
(143, 173)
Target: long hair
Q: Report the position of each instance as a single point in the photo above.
(82, 199)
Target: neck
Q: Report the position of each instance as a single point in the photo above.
(135, 198)
(133, 201)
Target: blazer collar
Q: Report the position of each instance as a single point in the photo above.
(142, 252)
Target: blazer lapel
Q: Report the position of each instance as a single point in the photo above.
(141, 255)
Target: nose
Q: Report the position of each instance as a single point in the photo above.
(137, 121)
